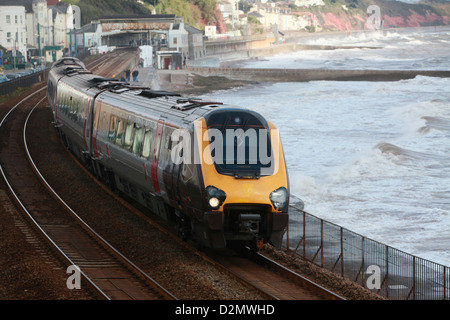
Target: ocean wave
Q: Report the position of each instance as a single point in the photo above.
(442, 124)
(384, 160)
(402, 154)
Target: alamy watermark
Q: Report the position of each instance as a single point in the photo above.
(230, 146)
(74, 280)
(374, 280)
(373, 22)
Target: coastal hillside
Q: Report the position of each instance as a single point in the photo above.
(196, 13)
(353, 15)
(92, 9)
(334, 15)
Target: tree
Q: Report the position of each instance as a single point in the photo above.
(197, 13)
(244, 6)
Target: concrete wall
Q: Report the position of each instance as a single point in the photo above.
(300, 75)
(237, 47)
(260, 47)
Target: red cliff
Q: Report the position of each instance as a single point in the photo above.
(393, 14)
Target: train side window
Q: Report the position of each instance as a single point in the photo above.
(71, 106)
(104, 119)
(58, 98)
(138, 138)
(129, 135)
(113, 125)
(87, 106)
(166, 151)
(120, 131)
(148, 137)
(169, 142)
(82, 109)
(75, 107)
(64, 103)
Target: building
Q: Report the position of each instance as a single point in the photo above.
(50, 29)
(128, 30)
(230, 12)
(279, 17)
(196, 43)
(173, 42)
(187, 40)
(89, 36)
(177, 37)
(309, 3)
(63, 23)
(38, 24)
(13, 29)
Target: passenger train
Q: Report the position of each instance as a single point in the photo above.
(216, 172)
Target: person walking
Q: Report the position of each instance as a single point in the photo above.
(135, 75)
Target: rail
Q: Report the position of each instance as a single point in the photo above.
(378, 267)
(150, 288)
(161, 290)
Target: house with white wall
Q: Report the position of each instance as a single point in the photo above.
(13, 33)
(39, 23)
(279, 16)
(63, 22)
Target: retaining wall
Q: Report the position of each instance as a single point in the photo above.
(302, 75)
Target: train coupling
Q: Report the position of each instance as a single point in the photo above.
(249, 223)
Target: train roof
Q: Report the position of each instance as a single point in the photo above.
(134, 99)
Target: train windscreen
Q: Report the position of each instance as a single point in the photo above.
(240, 143)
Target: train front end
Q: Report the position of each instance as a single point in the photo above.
(246, 188)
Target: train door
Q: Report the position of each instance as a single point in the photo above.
(96, 152)
(188, 186)
(87, 125)
(159, 167)
(164, 171)
(156, 154)
(95, 123)
(175, 179)
(167, 166)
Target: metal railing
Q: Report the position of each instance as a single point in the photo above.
(25, 81)
(380, 268)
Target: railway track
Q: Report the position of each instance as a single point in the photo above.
(107, 65)
(111, 274)
(99, 261)
(255, 270)
(273, 279)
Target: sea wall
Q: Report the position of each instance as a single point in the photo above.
(302, 75)
(241, 49)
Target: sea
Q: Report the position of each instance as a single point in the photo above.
(372, 157)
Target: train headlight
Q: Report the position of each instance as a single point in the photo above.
(215, 197)
(279, 198)
(214, 202)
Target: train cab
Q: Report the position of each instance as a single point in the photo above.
(244, 177)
